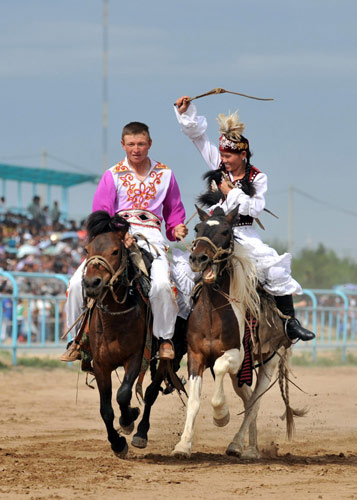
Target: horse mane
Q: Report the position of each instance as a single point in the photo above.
(244, 281)
(100, 222)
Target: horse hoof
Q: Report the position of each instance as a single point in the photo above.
(180, 452)
(221, 422)
(128, 429)
(251, 453)
(139, 442)
(234, 451)
(123, 452)
(133, 415)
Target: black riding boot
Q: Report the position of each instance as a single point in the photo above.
(293, 328)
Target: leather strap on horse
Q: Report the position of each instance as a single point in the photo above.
(140, 235)
(84, 316)
(145, 362)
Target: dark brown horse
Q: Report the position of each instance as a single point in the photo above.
(215, 331)
(117, 326)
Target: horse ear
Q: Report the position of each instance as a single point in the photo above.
(232, 216)
(202, 214)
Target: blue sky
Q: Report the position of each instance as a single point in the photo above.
(304, 54)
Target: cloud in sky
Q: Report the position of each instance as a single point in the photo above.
(70, 49)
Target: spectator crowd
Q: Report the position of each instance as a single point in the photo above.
(40, 241)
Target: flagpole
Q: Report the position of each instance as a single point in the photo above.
(105, 87)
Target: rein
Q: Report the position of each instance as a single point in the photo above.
(112, 313)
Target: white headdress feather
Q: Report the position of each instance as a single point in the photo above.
(230, 126)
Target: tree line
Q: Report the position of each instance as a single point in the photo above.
(320, 267)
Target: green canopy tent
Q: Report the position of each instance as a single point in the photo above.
(43, 176)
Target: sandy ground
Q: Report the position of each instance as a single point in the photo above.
(54, 447)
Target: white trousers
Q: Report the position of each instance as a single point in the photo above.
(273, 270)
(163, 303)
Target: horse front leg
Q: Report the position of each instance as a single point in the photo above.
(104, 382)
(235, 448)
(195, 371)
(140, 439)
(128, 414)
(229, 362)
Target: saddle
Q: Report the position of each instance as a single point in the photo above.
(141, 261)
(141, 258)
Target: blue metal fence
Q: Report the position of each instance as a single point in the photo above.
(32, 315)
(332, 315)
(31, 312)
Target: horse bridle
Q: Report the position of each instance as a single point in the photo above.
(219, 251)
(115, 275)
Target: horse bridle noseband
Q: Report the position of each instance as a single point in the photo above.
(115, 275)
(219, 251)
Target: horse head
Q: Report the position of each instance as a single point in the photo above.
(213, 244)
(106, 253)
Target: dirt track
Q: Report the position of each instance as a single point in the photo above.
(54, 448)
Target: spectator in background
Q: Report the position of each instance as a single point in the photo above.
(45, 216)
(55, 213)
(2, 205)
(6, 304)
(39, 255)
(34, 210)
(73, 226)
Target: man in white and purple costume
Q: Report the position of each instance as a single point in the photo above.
(144, 192)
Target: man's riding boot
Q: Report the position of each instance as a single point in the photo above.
(293, 328)
(166, 350)
(72, 353)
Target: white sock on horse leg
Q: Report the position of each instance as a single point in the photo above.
(229, 362)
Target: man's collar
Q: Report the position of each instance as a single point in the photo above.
(123, 166)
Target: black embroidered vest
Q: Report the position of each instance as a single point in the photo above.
(247, 220)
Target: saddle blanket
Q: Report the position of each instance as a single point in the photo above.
(245, 374)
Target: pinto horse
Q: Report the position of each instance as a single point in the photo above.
(117, 326)
(215, 332)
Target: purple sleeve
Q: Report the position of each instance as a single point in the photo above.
(105, 194)
(173, 209)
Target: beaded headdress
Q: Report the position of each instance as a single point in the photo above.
(231, 129)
